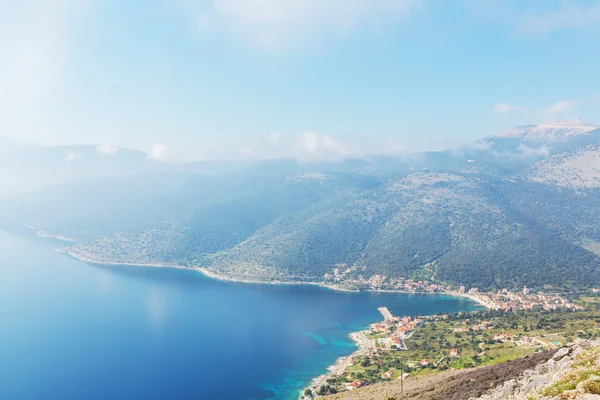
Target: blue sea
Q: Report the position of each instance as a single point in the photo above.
(70, 330)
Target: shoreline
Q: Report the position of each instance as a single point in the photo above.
(42, 233)
(341, 363)
(204, 271)
(229, 278)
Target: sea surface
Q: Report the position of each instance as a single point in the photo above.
(71, 330)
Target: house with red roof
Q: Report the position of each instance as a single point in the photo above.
(357, 383)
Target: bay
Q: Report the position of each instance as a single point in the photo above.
(71, 330)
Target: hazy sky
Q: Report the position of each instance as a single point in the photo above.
(197, 79)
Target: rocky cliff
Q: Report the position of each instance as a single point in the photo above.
(572, 373)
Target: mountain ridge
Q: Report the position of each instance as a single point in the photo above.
(476, 217)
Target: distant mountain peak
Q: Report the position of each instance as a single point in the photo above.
(551, 131)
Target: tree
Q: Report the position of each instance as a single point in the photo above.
(322, 391)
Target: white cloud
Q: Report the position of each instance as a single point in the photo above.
(72, 156)
(158, 151)
(504, 108)
(559, 108)
(397, 147)
(278, 24)
(482, 145)
(538, 18)
(570, 15)
(313, 146)
(107, 149)
(529, 152)
(33, 47)
(247, 151)
(274, 137)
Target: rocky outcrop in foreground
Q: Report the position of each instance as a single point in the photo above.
(449, 385)
(569, 373)
(572, 373)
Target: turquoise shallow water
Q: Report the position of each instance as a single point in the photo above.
(70, 330)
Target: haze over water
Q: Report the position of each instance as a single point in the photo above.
(70, 330)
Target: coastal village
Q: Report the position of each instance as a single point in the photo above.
(503, 299)
(513, 325)
(525, 300)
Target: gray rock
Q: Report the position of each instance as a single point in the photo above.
(540, 381)
(551, 365)
(542, 375)
(509, 388)
(585, 344)
(565, 351)
(576, 351)
(542, 369)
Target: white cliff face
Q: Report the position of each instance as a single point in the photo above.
(573, 373)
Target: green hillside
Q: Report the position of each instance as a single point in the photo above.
(487, 224)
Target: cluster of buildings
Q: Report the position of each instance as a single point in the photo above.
(396, 330)
(400, 326)
(525, 300)
(405, 325)
(341, 273)
(352, 276)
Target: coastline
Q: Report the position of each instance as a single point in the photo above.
(340, 364)
(357, 337)
(41, 233)
(230, 278)
(204, 271)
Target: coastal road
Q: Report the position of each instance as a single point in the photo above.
(403, 344)
(363, 342)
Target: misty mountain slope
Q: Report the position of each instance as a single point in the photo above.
(550, 132)
(576, 169)
(308, 243)
(471, 235)
(518, 148)
(221, 220)
(463, 228)
(494, 251)
(25, 167)
(417, 232)
(87, 209)
(573, 214)
(473, 215)
(457, 223)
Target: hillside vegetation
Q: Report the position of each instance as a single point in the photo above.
(484, 216)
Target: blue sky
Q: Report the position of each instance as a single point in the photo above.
(203, 79)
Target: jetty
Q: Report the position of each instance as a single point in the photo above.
(387, 315)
